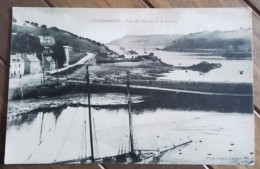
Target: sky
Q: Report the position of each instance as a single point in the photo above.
(105, 25)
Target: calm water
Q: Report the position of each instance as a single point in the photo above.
(44, 138)
(228, 73)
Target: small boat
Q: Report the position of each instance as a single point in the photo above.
(50, 90)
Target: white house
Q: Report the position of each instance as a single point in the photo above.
(131, 54)
(16, 65)
(32, 64)
(67, 50)
(47, 40)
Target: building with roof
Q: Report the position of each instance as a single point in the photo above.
(16, 66)
(49, 63)
(131, 54)
(31, 63)
(47, 41)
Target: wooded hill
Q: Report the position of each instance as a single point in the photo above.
(216, 42)
(79, 44)
(143, 41)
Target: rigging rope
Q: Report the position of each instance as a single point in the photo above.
(64, 140)
(121, 134)
(39, 144)
(42, 139)
(165, 131)
(96, 147)
(151, 131)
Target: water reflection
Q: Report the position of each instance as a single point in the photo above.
(150, 103)
(57, 135)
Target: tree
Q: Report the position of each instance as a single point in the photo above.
(25, 43)
(54, 28)
(44, 26)
(59, 53)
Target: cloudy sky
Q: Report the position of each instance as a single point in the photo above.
(105, 25)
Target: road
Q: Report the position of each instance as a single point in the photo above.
(167, 89)
(36, 79)
(80, 62)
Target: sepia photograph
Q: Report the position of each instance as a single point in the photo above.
(143, 86)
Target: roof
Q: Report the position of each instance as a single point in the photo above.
(47, 40)
(132, 52)
(49, 59)
(30, 57)
(16, 58)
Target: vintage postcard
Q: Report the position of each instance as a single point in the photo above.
(144, 86)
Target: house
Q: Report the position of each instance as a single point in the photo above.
(16, 65)
(131, 54)
(31, 63)
(111, 55)
(46, 41)
(149, 56)
(49, 63)
(67, 50)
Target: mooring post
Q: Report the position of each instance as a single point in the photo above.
(21, 87)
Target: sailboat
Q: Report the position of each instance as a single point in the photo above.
(133, 155)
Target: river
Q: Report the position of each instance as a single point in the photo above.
(229, 72)
(56, 136)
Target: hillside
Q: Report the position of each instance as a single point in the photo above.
(216, 41)
(78, 43)
(144, 41)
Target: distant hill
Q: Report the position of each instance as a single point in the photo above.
(216, 41)
(78, 43)
(144, 41)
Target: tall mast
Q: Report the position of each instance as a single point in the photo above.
(43, 78)
(90, 121)
(130, 113)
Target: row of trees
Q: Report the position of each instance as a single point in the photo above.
(37, 25)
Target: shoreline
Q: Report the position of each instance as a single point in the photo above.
(75, 86)
(143, 99)
(17, 109)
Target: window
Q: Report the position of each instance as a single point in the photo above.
(19, 65)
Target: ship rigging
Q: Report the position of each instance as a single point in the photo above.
(125, 155)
